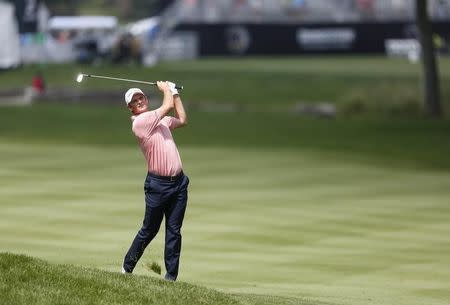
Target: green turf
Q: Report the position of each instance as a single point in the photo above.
(356, 84)
(341, 212)
(26, 280)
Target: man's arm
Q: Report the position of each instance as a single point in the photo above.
(180, 113)
(168, 103)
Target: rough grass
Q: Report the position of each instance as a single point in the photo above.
(26, 280)
(29, 281)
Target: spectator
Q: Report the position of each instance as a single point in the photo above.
(127, 50)
(38, 84)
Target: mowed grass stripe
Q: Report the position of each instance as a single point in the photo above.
(274, 222)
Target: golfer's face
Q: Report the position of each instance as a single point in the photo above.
(138, 104)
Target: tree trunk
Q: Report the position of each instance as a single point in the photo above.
(431, 96)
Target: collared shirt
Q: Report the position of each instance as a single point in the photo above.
(156, 142)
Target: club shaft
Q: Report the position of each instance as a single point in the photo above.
(126, 80)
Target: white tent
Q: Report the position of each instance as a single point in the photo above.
(82, 22)
(9, 36)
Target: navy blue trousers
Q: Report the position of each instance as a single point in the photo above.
(162, 198)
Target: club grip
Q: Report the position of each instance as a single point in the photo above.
(176, 86)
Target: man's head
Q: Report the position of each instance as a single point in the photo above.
(136, 101)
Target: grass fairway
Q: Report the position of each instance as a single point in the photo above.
(340, 212)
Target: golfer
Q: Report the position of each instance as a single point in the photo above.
(165, 185)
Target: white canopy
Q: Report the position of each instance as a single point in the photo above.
(82, 22)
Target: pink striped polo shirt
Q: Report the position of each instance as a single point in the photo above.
(156, 142)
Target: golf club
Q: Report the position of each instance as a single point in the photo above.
(82, 75)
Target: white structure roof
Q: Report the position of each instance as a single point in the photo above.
(82, 22)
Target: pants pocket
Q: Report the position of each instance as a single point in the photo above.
(153, 195)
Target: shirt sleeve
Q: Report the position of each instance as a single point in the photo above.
(171, 122)
(144, 124)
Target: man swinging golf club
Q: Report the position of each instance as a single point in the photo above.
(165, 185)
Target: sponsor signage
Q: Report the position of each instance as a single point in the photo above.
(326, 38)
(401, 47)
(293, 39)
(237, 39)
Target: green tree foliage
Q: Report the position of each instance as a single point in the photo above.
(125, 9)
(136, 9)
(67, 7)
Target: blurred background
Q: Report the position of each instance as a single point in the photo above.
(41, 35)
(317, 145)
